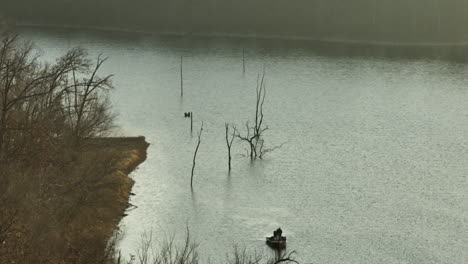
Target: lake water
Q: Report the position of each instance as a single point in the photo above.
(374, 163)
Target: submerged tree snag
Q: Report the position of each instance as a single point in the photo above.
(253, 136)
(243, 61)
(229, 141)
(284, 257)
(181, 76)
(195, 154)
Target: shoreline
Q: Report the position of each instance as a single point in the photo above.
(132, 152)
(246, 36)
(453, 52)
(82, 197)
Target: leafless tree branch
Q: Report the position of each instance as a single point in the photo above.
(195, 154)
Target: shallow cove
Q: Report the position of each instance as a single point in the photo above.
(374, 165)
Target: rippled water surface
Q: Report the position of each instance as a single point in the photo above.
(373, 169)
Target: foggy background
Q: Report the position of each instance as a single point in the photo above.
(395, 21)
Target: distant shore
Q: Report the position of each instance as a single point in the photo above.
(330, 46)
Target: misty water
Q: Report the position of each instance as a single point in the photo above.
(372, 170)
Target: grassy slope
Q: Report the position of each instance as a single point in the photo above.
(84, 200)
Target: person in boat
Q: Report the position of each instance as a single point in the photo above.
(277, 233)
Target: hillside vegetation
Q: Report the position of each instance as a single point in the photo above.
(62, 189)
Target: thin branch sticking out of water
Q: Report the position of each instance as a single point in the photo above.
(181, 76)
(195, 154)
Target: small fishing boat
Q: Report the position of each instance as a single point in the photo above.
(276, 242)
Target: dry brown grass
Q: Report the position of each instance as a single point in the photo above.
(67, 212)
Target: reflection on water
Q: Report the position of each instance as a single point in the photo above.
(373, 169)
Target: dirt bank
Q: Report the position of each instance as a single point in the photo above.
(66, 211)
(101, 219)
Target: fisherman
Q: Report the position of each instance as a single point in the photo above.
(279, 232)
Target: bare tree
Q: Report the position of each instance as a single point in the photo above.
(41, 105)
(29, 91)
(253, 136)
(229, 141)
(283, 257)
(170, 252)
(195, 154)
(88, 112)
(243, 256)
(186, 252)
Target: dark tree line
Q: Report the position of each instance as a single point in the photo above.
(381, 20)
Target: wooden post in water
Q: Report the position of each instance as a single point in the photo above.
(181, 76)
(243, 60)
(191, 122)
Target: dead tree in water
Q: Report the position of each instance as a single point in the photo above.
(195, 154)
(229, 142)
(253, 135)
(243, 60)
(191, 122)
(284, 257)
(181, 76)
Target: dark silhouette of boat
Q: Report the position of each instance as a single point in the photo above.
(276, 242)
